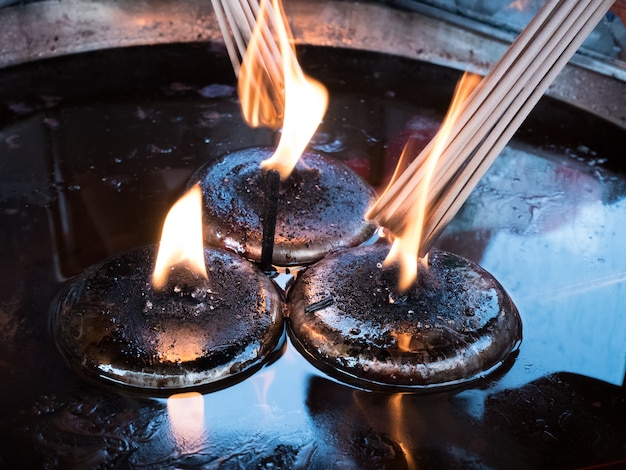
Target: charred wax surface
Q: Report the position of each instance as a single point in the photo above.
(111, 324)
(321, 207)
(453, 325)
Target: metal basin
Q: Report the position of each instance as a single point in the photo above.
(108, 109)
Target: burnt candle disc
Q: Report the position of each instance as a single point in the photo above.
(111, 324)
(321, 207)
(453, 325)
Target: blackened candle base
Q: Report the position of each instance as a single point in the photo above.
(112, 325)
(321, 207)
(454, 325)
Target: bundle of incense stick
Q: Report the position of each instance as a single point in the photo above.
(239, 22)
(489, 117)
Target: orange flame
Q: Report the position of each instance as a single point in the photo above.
(181, 238)
(186, 416)
(305, 99)
(405, 247)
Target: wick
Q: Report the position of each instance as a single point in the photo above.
(272, 187)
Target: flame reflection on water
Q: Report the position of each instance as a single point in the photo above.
(186, 418)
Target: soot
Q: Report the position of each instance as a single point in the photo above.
(111, 324)
(454, 325)
(320, 207)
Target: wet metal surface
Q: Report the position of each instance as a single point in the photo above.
(94, 151)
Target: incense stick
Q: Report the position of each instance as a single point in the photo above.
(490, 117)
(449, 205)
(239, 21)
(504, 91)
(493, 94)
(401, 189)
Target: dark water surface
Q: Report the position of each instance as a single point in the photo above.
(95, 148)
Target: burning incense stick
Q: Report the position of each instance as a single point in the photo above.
(240, 24)
(490, 116)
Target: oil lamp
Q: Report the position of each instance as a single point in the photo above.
(320, 207)
(177, 327)
(453, 325)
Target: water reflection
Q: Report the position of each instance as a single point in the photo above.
(548, 423)
(186, 418)
(551, 231)
(401, 431)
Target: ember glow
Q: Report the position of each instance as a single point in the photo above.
(406, 246)
(305, 100)
(181, 238)
(186, 416)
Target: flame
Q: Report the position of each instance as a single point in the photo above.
(186, 416)
(305, 99)
(181, 238)
(405, 247)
